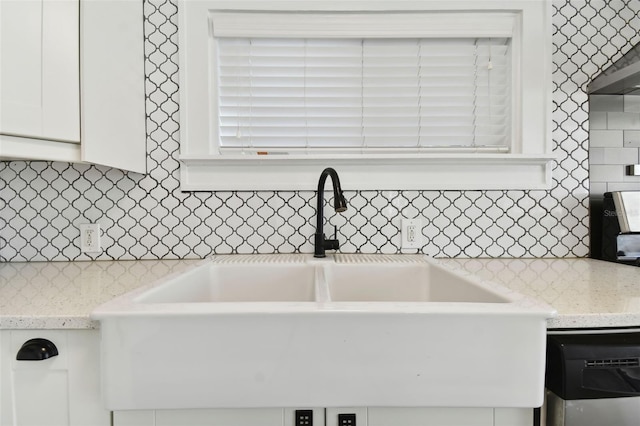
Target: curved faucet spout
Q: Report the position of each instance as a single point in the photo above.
(339, 204)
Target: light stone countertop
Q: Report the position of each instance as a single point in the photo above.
(54, 295)
(586, 293)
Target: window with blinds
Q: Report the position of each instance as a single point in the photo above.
(395, 95)
(373, 95)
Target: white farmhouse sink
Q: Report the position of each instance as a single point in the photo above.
(403, 282)
(348, 330)
(224, 282)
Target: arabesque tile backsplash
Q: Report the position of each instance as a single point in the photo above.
(148, 217)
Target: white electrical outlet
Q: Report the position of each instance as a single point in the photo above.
(411, 233)
(90, 238)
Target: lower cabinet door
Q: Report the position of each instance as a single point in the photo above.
(449, 417)
(200, 417)
(430, 417)
(58, 390)
(39, 389)
(513, 417)
(41, 397)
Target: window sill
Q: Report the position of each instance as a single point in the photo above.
(415, 172)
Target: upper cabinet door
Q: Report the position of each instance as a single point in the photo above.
(113, 100)
(73, 71)
(40, 69)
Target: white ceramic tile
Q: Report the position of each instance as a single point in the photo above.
(630, 179)
(606, 173)
(597, 188)
(605, 138)
(620, 155)
(623, 186)
(607, 103)
(597, 120)
(632, 103)
(596, 155)
(623, 120)
(631, 138)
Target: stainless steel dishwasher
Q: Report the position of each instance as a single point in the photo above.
(593, 379)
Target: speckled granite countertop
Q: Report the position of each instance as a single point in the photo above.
(587, 293)
(50, 295)
(53, 295)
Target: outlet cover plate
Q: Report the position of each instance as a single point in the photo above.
(411, 233)
(90, 238)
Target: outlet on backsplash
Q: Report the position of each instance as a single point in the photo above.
(90, 238)
(411, 233)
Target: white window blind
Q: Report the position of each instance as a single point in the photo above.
(363, 95)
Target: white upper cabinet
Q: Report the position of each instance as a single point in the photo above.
(72, 82)
(40, 79)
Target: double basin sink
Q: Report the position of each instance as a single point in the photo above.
(347, 330)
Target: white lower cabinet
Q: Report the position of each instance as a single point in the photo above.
(208, 417)
(62, 390)
(372, 416)
(449, 417)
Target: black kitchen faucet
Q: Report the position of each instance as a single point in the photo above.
(339, 204)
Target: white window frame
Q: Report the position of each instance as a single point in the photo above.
(528, 165)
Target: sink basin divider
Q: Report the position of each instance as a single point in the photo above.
(322, 289)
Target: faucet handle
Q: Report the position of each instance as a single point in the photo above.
(332, 244)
